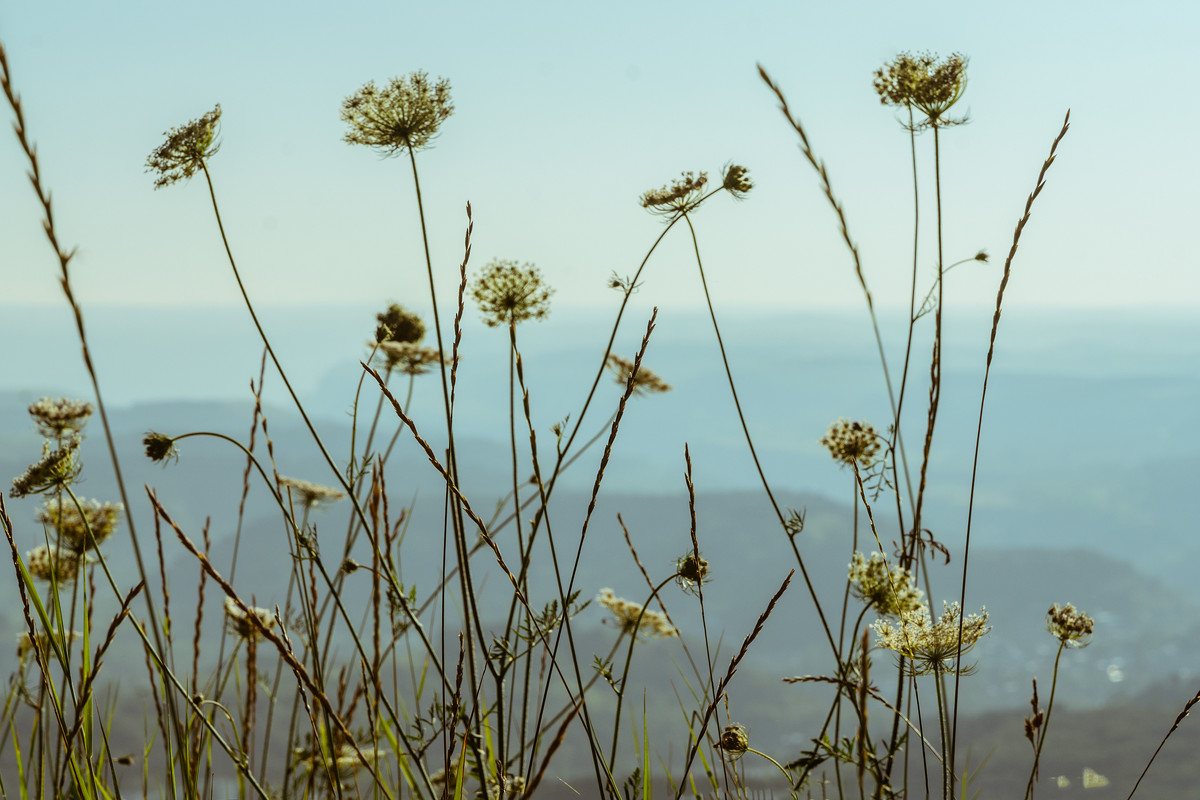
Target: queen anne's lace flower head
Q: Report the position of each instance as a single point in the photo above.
(633, 618)
(933, 647)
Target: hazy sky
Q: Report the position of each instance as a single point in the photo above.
(565, 113)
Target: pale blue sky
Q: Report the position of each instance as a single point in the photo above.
(566, 113)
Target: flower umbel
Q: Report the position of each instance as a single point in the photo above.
(53, 563)
(691, 572)
(239, 622)
(1069, 625)
(56, 418)
(851, 442)
(398, 324)
(404, 115)
(186, 149)
(736, 180)
(160, 447)
(634, 619)
(83, 527)
(309, 493)
(56, 468)
(644, 381)
(508, 293)
(924, 83)
(890, 591)
(735, 741)
(933, 647)
(678, 197)
(408, 357)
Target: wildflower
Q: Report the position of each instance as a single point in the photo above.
(634, 618)
(55, 418)
(405, 114)
(1093, 779)
(933, 647)
(923, 83)
(310, 493)
(398, 324)
(409, 358)
(186, 149)
(736, 180)
(241, 624)
(691, 572)
(510, 786)
(508, 294)
(160, 447)
(1070, 626)
(851, 442)
(53, 563)
(678, 197)
(644, 381)
(56, 468)
(735, 741)
(26, 643)
(349, 761)
(81, 527)
(890, 591)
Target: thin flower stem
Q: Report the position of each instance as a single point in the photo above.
(1037, 753)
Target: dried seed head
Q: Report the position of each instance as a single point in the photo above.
(508, 293)
(644, 382)
(923, 83)
(398, 324)
(634, 619)
(56, 468)
(409, 358)
(309, 493)
(83, 527)
(691, 572)
(890, 591)
(678, 197)
(53, 563)
(186, 150)
(849, 442)
(56, 418)
(403, 115)
(160, 447)
(735, 741)
(736, 180)
(1069, 625)
(239, 621)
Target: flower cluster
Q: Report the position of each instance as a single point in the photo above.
(45, 643)
(58, 418)
(80, 527)
(159, 447)
(53, 563)
(1069, 625)
(241, 624)
(890, 591)
(933, 647)
(309, 493)
(644, 381)
(851, 442)
(398, 324)
(633, 618)
(409, 357)
(691, 572)
(736, 180)
(924, 83)
(186, 149)
(678, 197)
(508, 293)
(735, 741)
(404, 115)
(56, 468)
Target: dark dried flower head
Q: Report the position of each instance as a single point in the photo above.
(849, 442)
(644, 382)
(160, 447)
(678, 197)
(398, 324)
(403, 115)
(56, 468)
(691, 572)
(923, 83)
(508, 293)
(240, 623)
(186, 149)
(309, 493)
(83, 527)
(53, 563)
(735, 741)
(982, 255)
(1069, 625)
(736, 180)
(55, 418)
(409, 358)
